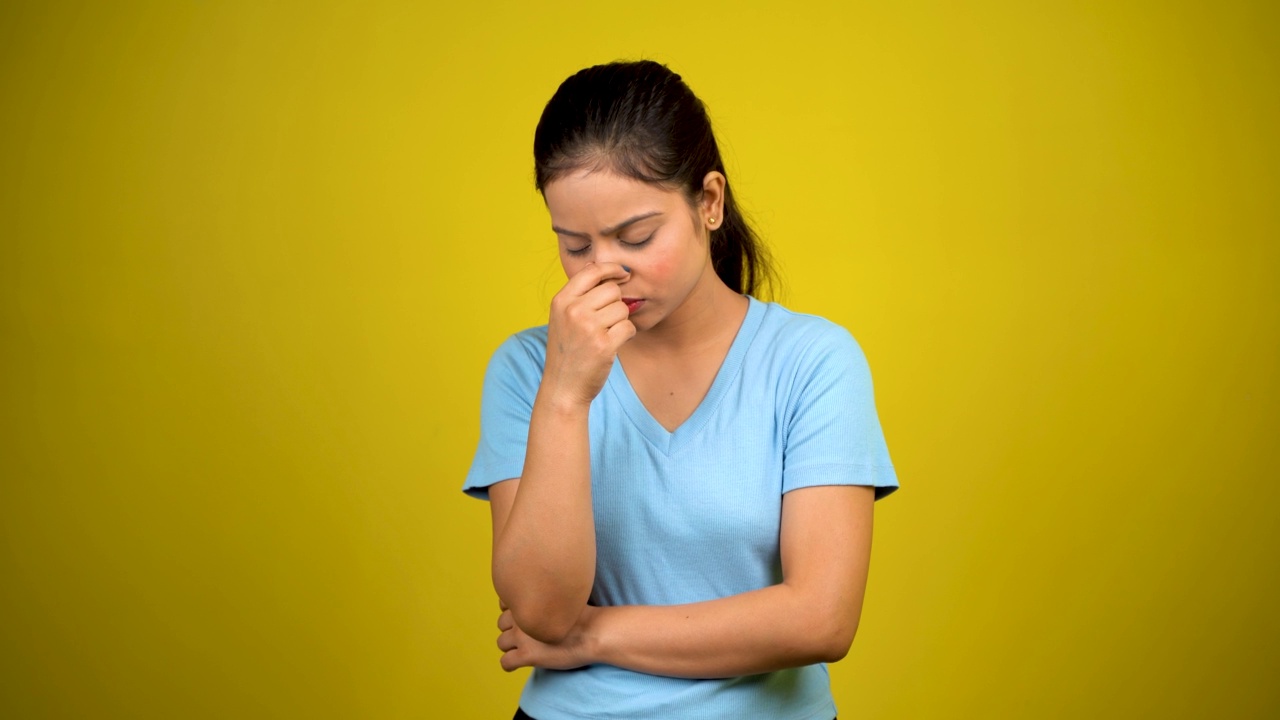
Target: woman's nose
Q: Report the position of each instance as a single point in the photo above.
(607, 252)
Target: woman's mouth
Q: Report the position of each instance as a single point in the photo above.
(633, 304)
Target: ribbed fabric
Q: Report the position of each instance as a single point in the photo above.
(694, 514)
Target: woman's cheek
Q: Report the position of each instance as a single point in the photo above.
(658, 271)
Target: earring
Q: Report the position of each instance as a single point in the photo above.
(711, 220)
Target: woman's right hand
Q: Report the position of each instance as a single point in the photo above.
(588, 323)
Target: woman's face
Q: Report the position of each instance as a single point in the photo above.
(600, 216)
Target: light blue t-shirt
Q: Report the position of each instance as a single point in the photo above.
(695, 514)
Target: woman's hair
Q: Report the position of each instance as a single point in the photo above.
(640, 120)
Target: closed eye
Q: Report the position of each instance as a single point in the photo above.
(640, 243)
(633, 245)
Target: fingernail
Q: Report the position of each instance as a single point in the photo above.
(624, 267)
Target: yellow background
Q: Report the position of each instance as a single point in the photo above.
(254, 256)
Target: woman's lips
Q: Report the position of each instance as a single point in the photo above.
(633, 304)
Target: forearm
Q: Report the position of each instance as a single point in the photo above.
(544, 556)
(759, 631)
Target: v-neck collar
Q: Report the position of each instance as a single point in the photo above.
(653, 431)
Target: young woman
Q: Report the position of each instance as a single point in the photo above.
(681, 476)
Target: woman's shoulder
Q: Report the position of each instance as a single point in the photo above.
(526, 349)
(534, 338)
(792, 330)
(811, 357)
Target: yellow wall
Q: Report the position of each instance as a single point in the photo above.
(253, 257)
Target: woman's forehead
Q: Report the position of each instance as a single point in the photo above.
(602, 198)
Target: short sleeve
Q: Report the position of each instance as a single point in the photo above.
(833, 434)
(510, 385)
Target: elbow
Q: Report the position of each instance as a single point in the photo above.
(832, 625)
(546, 622)
(836, 647)
(546, 625)
(545, 617)
(546, 612)
(823, 638)
(837, 640)
(541, 618)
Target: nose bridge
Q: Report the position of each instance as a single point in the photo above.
(605, 249)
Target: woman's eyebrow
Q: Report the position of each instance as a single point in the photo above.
(609, 230)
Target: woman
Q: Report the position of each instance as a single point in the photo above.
(681, 476)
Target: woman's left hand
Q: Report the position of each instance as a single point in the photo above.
(520, 650)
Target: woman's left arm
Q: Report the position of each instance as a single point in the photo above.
(810, 617)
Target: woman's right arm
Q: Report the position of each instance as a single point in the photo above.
(544, 544)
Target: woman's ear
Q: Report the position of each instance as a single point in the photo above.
(711, 205)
